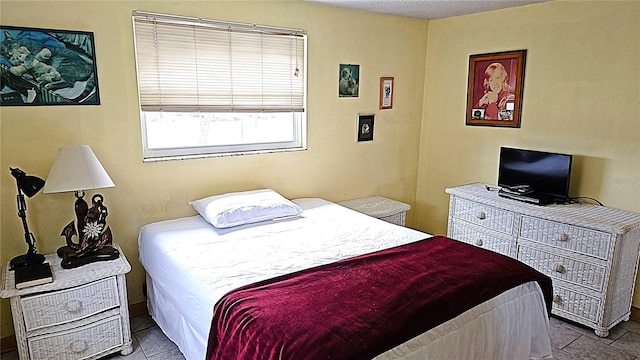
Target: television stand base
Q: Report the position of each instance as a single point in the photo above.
(542, 200)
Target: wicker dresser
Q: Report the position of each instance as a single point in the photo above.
(82, 314)
(379, 207)
(591, 252)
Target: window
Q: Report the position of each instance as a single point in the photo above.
(209, 87)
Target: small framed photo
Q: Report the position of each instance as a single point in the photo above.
(477, 114)
(349, 80)
(495, 87)
(386, 93)
(365, 127)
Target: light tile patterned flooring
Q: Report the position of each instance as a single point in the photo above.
(570, 342)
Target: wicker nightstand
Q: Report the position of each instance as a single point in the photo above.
(379, 207)
(82, 314)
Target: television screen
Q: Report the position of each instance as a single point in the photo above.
(545, 173)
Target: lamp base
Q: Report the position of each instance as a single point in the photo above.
(25, 260)
(70, 259)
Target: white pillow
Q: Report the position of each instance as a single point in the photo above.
(239, 208)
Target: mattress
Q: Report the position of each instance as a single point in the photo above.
(190, 265)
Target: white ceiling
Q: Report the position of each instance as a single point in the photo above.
(426, 9)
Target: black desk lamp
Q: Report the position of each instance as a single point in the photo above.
(27, 185)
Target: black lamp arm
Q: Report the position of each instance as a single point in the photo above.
(22, 213)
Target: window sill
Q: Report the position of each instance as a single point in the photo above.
(204, 156)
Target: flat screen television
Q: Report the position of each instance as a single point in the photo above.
(545, 173)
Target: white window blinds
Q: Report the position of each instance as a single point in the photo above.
(190, 64)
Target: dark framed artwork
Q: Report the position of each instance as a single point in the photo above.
(494, 93)
(349, 80)
(47, 67)
(386, 93)
(365, 127)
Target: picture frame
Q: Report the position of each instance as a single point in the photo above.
(495, 87)
(349, 80)
(47, 67)
(365, 127)
(386, 93)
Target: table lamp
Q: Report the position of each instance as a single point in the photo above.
(27, 185)
(76, 169)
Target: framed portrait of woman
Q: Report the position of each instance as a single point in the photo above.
(495, 86)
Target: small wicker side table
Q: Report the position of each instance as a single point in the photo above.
(82, 314)
(391, 211)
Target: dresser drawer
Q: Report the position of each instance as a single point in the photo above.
(481, 237)
(69, 304)
(484, 215)
(574, 305)
(574, 238)
(560, 267)
(79, 343)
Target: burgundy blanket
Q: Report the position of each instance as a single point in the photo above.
(363, 306)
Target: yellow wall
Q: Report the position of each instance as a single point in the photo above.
(335, 167)
(581, 96)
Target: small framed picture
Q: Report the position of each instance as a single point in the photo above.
(386, 93)
(365, 127)
(477, 114)
(349, 80)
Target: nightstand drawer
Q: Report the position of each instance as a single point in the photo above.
(578, 239)
(560, 267)
(484, 215)
(476, 235)
(70, 304)
(79, 343)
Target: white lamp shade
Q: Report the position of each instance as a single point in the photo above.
(76, 168)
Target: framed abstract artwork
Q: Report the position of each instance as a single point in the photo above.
(47, 67)
(495, 87)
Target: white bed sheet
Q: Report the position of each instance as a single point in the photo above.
(190, 265)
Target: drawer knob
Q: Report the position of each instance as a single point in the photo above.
(73, 306)
(564, 237)
(78, 346)
(559, 268)
(479, 242)
(557, 299)
(481, 215)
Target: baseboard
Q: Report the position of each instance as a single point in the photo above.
(635, 314)
(138, 309)
(8, 343)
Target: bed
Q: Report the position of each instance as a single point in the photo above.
(192, 266)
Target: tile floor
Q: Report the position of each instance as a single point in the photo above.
(570, 342)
